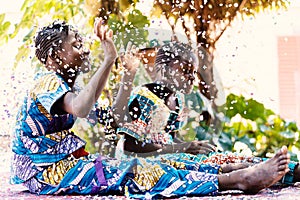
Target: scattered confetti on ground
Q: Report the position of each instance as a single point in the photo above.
(11, 192)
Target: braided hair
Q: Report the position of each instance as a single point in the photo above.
(173, 51)
(49, 39)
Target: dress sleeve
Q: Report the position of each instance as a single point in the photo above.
(105, 117)
(49, 89)
(140, 109)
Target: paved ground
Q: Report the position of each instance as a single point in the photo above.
(12, 192)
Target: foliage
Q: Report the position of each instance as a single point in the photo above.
(204, 22)
(4, 26)
(210, 18)
(80, 13)
(34, 11)
(246, 121)
(263, 131)
(132, 30)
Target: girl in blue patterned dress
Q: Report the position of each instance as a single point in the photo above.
(157, 113)
(48, 157)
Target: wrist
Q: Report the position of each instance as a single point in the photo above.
(129, 73)
(109, 59)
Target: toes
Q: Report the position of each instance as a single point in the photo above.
(282, 167)
(283, 157)
(283, 162)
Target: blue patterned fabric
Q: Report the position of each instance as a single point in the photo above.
(41, 138)
(152, 120)
(153, 178)
(44, 156)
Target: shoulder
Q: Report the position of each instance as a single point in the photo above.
(50, 81)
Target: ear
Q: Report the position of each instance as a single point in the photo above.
(53, 55)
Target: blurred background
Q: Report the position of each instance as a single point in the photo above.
(255, 61)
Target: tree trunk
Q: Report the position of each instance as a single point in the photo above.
(205, 74)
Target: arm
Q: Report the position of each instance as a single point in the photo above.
(130, 61)
(81, 104)
(132, 146)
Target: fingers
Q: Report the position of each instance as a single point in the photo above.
(284, 149)
(207, 145)
(132, 49)
(128, 47)
(110, 33)
(210, 147)
(200, 151)
(201, 147)
(97, 24)
(102, 30)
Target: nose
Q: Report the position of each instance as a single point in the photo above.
(190, 76)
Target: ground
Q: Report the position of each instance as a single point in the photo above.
(12, 192)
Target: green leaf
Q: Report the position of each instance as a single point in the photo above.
(25, 4)
(287, 134)
(246, 140)
(22, 53)
(29, 35)
(292, 126)
(2, 16)
(225, 141)
(137, 19)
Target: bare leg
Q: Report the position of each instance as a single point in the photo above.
(257, 177)
(226, 168)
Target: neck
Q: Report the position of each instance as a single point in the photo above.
(166, 83)
(67, 73)
(67, 77)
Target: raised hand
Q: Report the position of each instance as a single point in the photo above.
(105, 35)
(131, 58)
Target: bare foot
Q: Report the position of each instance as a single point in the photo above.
(226, 168)
(259, 176)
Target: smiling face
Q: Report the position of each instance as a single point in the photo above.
(176, 65)
(61, 49)
(74, 57)
(182, 74)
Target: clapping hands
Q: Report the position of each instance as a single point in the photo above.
(130, 58)
(105, 35)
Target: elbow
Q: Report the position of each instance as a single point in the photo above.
(82, 115)
(81, 112)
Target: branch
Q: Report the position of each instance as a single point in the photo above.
(167, 17)
(186, 29)
(231, 18)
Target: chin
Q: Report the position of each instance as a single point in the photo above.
(186, 91)
(85, 68)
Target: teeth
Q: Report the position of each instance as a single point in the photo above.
(71, 70)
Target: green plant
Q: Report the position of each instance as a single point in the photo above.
(263, 131)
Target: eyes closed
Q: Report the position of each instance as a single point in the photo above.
(186, 68)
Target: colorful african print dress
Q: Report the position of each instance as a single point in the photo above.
(153, 122)
(48, 158)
